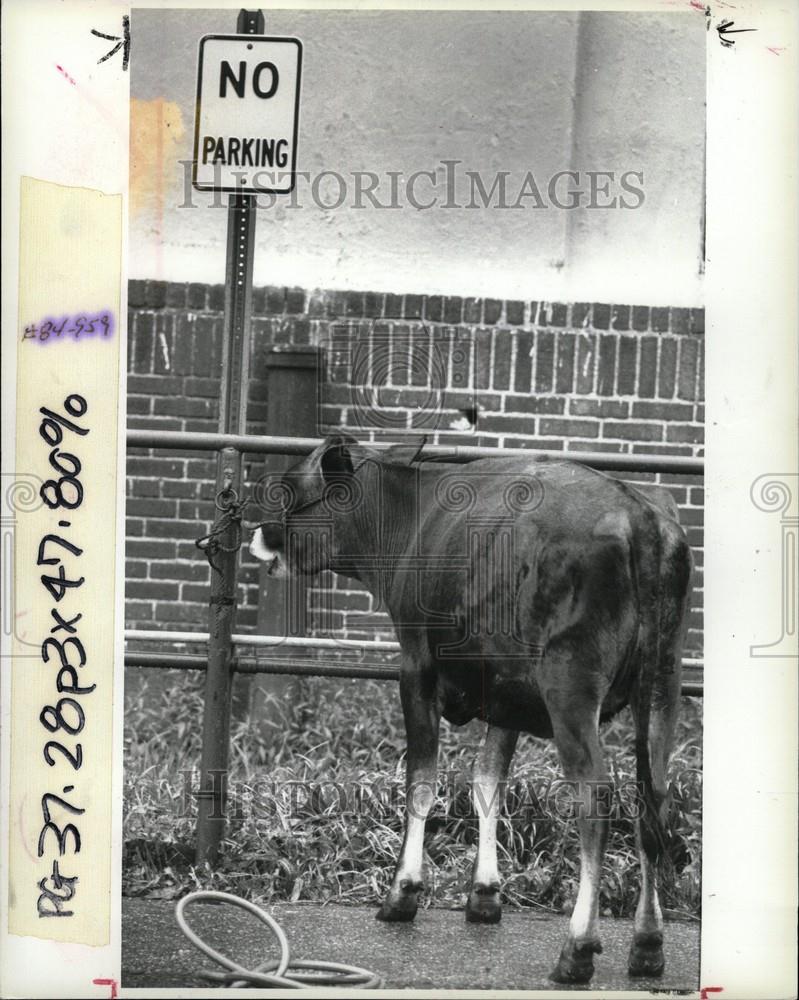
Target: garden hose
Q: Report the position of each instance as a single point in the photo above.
(279, 972)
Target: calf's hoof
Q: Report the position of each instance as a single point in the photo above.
(576, 962)
(400, 905)
(483, 905)
(646, 955)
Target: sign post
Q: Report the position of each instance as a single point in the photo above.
(246, 123)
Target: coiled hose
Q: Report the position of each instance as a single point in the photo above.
(279, 972)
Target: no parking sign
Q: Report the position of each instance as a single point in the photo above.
(248, 98)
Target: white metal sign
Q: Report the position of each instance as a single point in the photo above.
(248, 102)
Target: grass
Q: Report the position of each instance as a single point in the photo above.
(325, 845)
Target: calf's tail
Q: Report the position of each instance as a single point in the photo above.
(648, 546)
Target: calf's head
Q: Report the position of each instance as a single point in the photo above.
(302, 534)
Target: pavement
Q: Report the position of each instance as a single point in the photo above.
(439, 950)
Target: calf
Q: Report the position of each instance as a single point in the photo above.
(538, 596)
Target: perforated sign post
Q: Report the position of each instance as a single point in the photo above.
(245, 141)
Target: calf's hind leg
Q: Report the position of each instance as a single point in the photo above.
(490, 771)
(576, 731)
(422, 717)
(646, 950)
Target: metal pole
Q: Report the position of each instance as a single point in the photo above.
(232, 420)
(275, 643)
(692, 683)
(253, 444)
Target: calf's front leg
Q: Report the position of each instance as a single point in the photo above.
(422, 717)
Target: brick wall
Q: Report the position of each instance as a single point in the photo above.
(585, 377)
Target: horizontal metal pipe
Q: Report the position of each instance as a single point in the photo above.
(279, 641)
(259, 665)
(305, 668)
(266, 445)
(268, 641)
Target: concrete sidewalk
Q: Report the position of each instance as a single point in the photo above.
(438, 951)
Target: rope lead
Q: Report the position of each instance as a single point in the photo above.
(232, 509)
(279, 972)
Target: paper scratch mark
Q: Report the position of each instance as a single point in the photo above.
(162, 343)
(22, 828)
(107, 982)
(20, 634)
(66, 75)
(776, 49)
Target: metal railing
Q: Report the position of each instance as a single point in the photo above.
(269, 445)
(222, 658)
(255, 664)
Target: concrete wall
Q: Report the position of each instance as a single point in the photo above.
(403, 91)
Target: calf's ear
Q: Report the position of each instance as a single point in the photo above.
(405, 454)
(336, 458)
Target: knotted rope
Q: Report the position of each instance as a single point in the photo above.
(232, 509)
